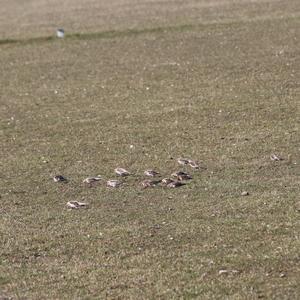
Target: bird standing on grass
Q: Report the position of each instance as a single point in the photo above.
(166, 181)
(90, 180)
(151, 173)
(59, 178)
(181, 175)
(149, 183)
(113, 183)
(122, 172)
(76, 204)
(193, 164)
(175, 184)
(60, 33)
(183, 161)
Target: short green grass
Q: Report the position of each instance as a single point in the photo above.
(227, 95)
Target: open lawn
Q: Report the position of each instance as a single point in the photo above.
(137, 84)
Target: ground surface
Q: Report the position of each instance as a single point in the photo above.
(217, 81)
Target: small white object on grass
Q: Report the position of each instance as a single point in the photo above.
(76, 204)
(221, 272)
(224, 271)
(151, 173)
(275, 157)
(59, 178)
(183, 161)
(60, 33)
(245, 193)
(193, 164)
(113, 183)
(90, 180)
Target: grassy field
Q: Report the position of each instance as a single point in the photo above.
(137, 84)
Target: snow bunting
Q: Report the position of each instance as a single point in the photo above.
(275, 157)
(121, 172)
(175, 184)
(167, 181)
(183, 161)
(76, 204)
(60, 33)
(59, 178)
(113, 183)
(193, 164)
(90, 180)
(181, 173)
(149, 183)
(151, 173)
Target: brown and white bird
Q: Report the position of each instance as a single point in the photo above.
(193, 164)
(59, 178)
(76, 204)
(275, 157)
(175, 184)
(184, 177)
(113, 183)
(180, 175)
(90, 180)
(183, 161)
(149, 183)
(122, 172)
(151, 173)
(166, 181)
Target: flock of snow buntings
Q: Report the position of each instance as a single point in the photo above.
(176, 180)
